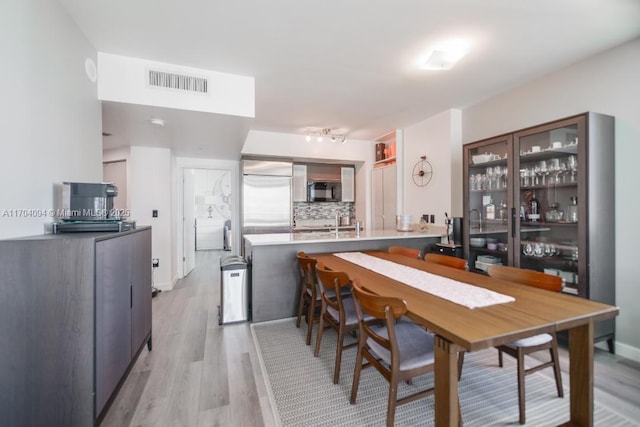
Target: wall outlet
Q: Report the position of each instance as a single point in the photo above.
(155, 262)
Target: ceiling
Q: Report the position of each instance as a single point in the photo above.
(348, 65)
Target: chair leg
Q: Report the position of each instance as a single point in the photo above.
(556, 367)
(500, 358)
(356, 376)
(310, 312)
(336, 369)
(521, 386)
(319, 336)
(300, 308)
(393, 397)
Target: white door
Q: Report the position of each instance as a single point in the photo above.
(189, 222)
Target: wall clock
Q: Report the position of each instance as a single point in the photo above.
(422, 172)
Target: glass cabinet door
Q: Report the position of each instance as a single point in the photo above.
(488, 202)
(548, 199)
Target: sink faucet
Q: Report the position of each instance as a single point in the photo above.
(479, 218)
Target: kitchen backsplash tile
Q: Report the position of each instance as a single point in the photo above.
(303, 211)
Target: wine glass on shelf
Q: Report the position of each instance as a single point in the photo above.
(544, 171)
(536, 174)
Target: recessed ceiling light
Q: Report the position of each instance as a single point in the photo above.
(444, 55)
(157, 122)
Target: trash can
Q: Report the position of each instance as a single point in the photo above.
(234, 292)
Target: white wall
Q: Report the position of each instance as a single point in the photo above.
(438, 138)
(49, 115)
(150, 188)
(358, 152)
(607, 83)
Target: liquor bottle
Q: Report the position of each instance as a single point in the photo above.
(534, 208)
(491, 210)
(572, 210)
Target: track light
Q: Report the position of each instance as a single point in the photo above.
(321, 133)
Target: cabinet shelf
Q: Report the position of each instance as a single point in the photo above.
(550, 186)
(383, 162)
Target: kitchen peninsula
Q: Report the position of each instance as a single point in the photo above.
(274, 268)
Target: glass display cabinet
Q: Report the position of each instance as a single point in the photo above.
(542, 198)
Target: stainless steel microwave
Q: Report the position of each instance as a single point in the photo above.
(324, 191)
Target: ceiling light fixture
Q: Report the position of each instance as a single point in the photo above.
(444, 55)
(321, 133)
(157, 122)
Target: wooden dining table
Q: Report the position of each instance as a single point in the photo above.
(458, 328)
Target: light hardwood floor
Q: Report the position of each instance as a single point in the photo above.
(202, 374)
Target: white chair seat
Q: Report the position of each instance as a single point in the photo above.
(415, 346)
(531, 341)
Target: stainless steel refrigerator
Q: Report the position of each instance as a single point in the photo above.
(266, 196)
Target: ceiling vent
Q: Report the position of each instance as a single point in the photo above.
(177, 81)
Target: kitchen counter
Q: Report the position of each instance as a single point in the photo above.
(324, 236)
(274, 272)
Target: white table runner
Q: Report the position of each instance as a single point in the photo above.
(457, 292)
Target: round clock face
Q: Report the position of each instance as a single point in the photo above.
(422, 173)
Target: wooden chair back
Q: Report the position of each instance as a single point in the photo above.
(330, 279)
(376, 305)
(410, 252)
(388, 309)
(527, 277)
(449, 261)
(307, 272)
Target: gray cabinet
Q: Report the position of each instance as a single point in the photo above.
(73, 317)
(545, 196)
(383, 198)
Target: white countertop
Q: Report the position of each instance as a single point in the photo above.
(318, 237)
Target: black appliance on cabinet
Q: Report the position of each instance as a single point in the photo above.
(324, 191)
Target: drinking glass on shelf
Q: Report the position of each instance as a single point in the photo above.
(554, 170)
(549, 250)
(536, 174)
(562, 171)
(490, 179)
(525, 177)
(543, 170)
(528, 249)
(572, 164)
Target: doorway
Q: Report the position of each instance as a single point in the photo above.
(207, 213)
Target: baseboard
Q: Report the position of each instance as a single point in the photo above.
(165, 286)
(627, 351)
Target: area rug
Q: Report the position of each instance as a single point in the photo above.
(302, 392)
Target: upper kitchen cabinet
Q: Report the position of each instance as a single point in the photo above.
(299, 183)
(383, 197)
(542, 198)
(348, 178)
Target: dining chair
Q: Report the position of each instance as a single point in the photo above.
(309, 295)
(449, 261)
(410, 252)
(522, 347)
(400, 351)
(337, 312)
